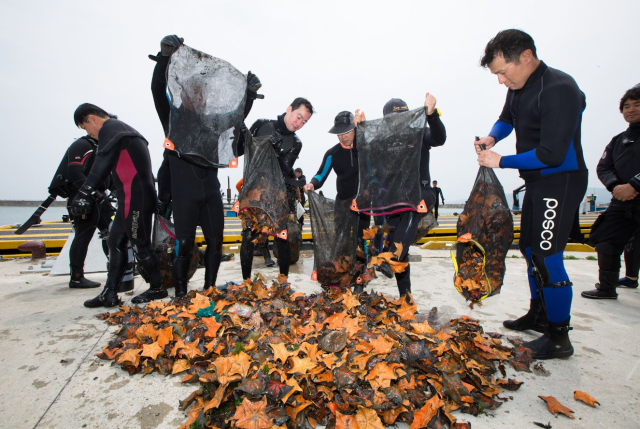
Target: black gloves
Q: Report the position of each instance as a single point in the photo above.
(82, 203)
(169, 44)
(164, 207)
(253, 85)
(276, 141)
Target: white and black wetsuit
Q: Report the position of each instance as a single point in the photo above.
(620, 164)
(546, 115)
(70, 176)
(123, 156)
(287, 152)
(193, 189)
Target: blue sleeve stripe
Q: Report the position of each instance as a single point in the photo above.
(327, 166)
(500, 130)
(522, 161)
(570, 163)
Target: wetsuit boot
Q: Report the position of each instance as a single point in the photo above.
(109, 295)
(535, 319)
(78, 281)
(627, 282)
(404, 281)
(267, 256)
(606, 289)
(554, 344)
(213, 258)
(180, 275)
(149, 270)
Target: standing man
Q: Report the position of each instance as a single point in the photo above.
(287, 147)
(70, 176)
(438, 192)
(404, 226)
(123, 155)
(192, 189)
(544, 106)
(619, 172)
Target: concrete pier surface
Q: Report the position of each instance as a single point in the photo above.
(51, 378)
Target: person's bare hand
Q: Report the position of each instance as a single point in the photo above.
(488, 142)
(488, 158)
(624, 192)
(358, 117)
(430, 103)
(308, 187)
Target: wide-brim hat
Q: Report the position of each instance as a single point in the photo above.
(343, 123)
(394, 105)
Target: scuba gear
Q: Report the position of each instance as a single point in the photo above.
(82, 203)
(81, 282)
(554, 343)
(169, 44)
(107, 298)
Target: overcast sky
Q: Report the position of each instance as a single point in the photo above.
(341, 55)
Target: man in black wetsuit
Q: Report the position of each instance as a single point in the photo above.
(123, 155)
(192, 189)
(404, 226)
(438, 192)
(619, 172)
(287, 147)
(544, 106)
(68, 180)
(301, 181)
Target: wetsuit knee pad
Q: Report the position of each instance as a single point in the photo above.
(551, 270)
(185, 247)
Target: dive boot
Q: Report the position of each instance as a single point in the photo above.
(627, 282)
(267, 256)
(606, 289)
(180, 275)
(554, 344)
(82, 283)
(107, 298)
(535, 319)
(151, 294)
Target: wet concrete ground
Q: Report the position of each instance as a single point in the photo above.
(50, 377)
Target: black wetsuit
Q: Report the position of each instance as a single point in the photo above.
(404, 226)
(194, 191)
(438, 192)
(287, 152)
(620, 164)
(345, 164)
(123, 155)
(546, 115)
(69, 178)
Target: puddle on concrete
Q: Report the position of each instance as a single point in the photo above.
(152, 416)
(39, 384)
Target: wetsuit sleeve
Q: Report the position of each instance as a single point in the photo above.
(436, 134)
(323, 172)
(102, 167)
(441, 195)
(159, 91)
(164, 179)
(78, 155)
(504, 125)
(288, 159)
(606, 168)
(560, 111)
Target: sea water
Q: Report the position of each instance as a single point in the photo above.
(13, 215)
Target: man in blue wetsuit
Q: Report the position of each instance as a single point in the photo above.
(544, 106)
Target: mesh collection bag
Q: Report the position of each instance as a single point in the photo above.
(207, 97)
(333, 226)
(389, 164)
(164, 244)
(294, 236)
(485, 232)
(262, 203)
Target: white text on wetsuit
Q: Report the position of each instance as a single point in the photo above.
(548, 223)
(134, 224)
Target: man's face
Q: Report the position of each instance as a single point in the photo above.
(346, 139)
(296, 119)
(92, 126)
(512, 75)
(298, 174)
(631, 111)
(435, 184)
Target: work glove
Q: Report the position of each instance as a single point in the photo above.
(276, 141)
(83, 202)
(169, 44)
(164, 206)
(253, 85)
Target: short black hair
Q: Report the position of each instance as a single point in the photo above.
(298, 170)
(302, 102)
(631, 94)
(508, 44)
(86, 109)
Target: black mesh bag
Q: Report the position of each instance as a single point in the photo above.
(207, 97)
(262, 203)
(485, 233)
(294, 236)
(389, 164)
(164, 244)
(427, 222)
(333, 226)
